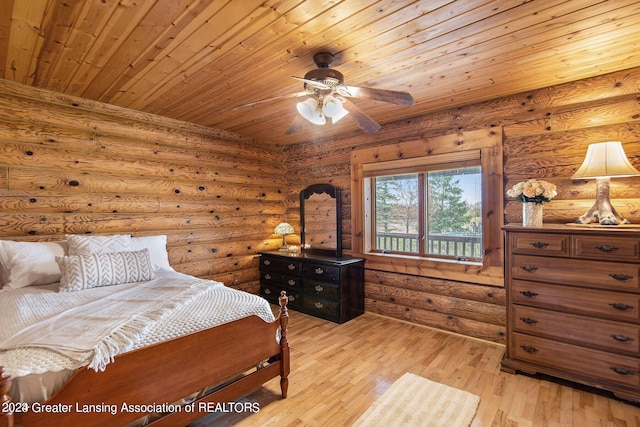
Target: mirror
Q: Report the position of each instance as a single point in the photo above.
(321, 219)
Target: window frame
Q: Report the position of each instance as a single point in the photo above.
(487, 143)
(421, 172)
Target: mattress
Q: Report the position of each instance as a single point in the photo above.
(39, 372)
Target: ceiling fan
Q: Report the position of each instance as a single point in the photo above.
(328, 97)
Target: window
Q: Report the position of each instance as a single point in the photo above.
(432, 213)
(432, 206)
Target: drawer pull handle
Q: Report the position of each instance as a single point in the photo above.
(621, 371)
(539, 245)
(319, 270)
(528, 320)
(291, 282)
(606, 248)
(291, 266)
(529, 348)
(319, 288)
(529, 268)
(267, 262)
(621, 307)
(267, 291)
(267, 276)
(291, 298)
(621, 338)
(621, 277)
(529, 294)
(319, 305)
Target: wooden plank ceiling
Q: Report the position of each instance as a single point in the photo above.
(194, 60)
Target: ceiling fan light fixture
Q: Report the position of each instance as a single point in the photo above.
(318, 118)
(333, 108)
(307, 108)
(310, 110)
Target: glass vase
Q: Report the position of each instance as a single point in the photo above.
(532, 214)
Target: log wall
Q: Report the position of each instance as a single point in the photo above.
(70, 165)
(545, 135)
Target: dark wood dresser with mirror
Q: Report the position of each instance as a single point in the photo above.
(573, 297)
(319, 280)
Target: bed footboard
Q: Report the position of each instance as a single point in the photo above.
(6, 411)
(283, 319)
(165, 373)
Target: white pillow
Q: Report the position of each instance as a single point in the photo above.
(30, 263)
(157, 246)
(92, 271)
(80, 245)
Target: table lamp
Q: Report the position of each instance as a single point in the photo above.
(284, 229)
(604, 160)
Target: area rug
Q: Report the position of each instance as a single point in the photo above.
(416, 401)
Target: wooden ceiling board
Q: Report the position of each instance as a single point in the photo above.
(194, 60)
(120, 21)
(223, 81)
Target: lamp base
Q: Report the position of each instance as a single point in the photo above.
(602, 211)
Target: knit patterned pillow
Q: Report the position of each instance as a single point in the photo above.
(85, 272)
(89, 245)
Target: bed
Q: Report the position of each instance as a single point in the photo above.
(194, 346)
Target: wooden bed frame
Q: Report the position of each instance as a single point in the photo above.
(166, 372)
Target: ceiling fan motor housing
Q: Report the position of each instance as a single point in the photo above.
(328, 76)
(323, 59)
(324, 74)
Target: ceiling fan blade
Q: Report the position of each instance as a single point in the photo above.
(296, 125)
(312, 83)
(384, 95)
(362, 119)
(275, 98)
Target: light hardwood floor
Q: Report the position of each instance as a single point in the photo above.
(337, 371)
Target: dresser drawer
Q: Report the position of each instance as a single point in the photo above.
(276, 277)
(291, 266)
(540, 243)
(321, 289)
(605, 334)
(272, 294)
(321, 307)
(594, 364)
(606, 248)
(597, 274)
(604, 304)
(322, 272)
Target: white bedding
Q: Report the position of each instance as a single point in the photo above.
(217, 305)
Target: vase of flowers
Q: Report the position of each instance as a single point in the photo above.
(532, 193)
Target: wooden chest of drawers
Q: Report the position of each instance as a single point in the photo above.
(573, 297)
(327, 287)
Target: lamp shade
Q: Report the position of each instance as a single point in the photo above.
(605, 159)
(284, 229)
(307, 107)
(310, 111)
(333, 108)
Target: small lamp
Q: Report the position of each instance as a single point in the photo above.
(603, 161)
(284, 229)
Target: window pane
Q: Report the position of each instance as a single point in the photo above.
(396, 213)
(454, 212)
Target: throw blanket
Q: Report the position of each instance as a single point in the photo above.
(109, 325)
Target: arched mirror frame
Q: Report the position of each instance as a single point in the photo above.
(334, 192)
